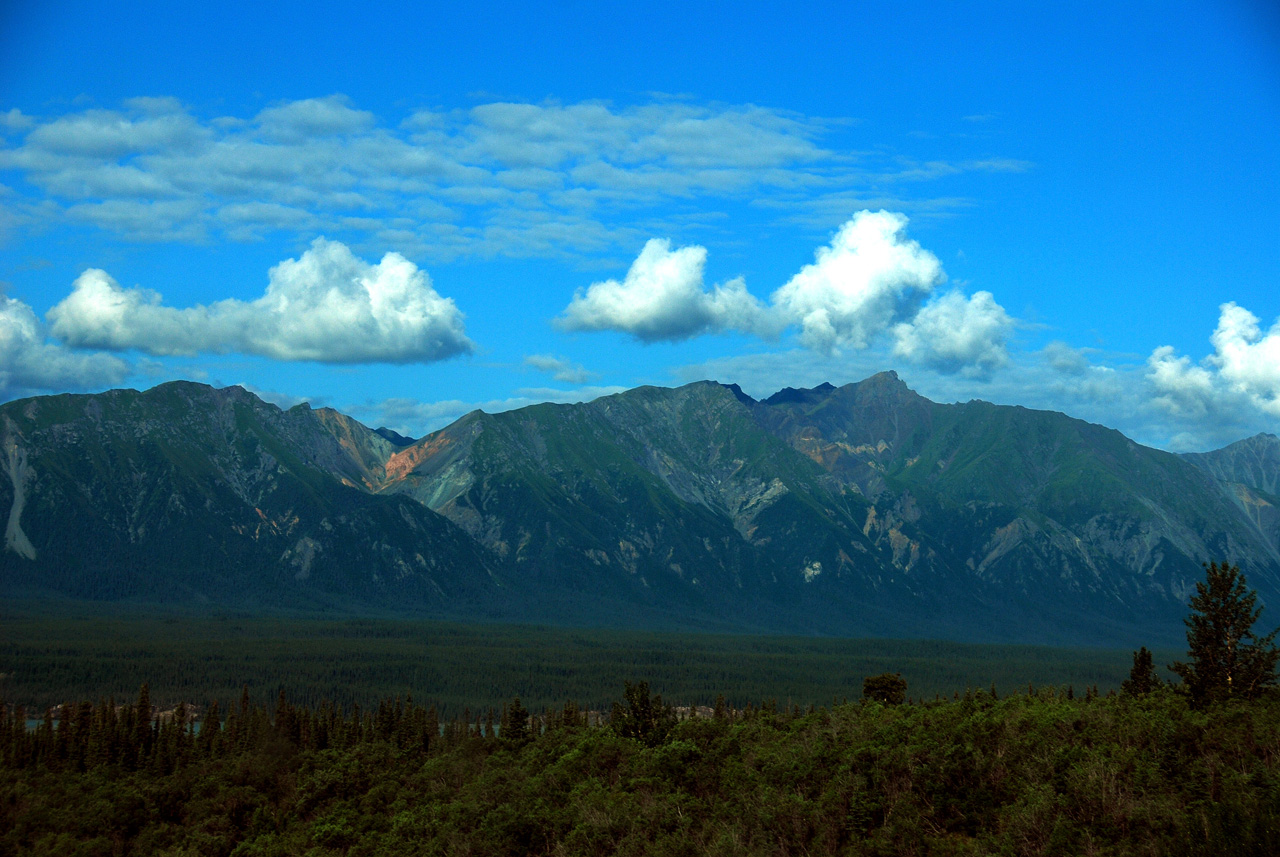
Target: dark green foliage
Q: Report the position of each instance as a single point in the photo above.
(1142, 678)
(1227, 660)
(196, 658)
(515, 722)
(642, 716)
(1026, 774)
(889, 688)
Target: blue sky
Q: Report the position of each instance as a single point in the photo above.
(410, 214)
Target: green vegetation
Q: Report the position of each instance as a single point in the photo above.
(1037, 773)
(1159, 768)
(1226, 658)
(87, 651)
(886, 688)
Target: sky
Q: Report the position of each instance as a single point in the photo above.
(409, 213)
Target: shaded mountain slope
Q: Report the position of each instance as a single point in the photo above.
(1044, 505)
(857, 510)
(676, 498)
(189, 492)
(1248, 474)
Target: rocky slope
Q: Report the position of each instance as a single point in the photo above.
(186, 492)
(1248, 474)
(861, 506)
(863, 509)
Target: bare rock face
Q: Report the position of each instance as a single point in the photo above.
(1248, 472)
(1254, 461)
(864, 509)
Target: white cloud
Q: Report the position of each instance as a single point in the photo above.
(149, 220)
(1242, 374)
(496, 172)
(15, 120)
(559, 368)
(868, 283)
(663, 298)
(1065, 359)
(954, 333)
(30, 364)
(106, 134)
(867, 278)
(1183, 389)
(313, 117)
(1247, 359)
(326, 306)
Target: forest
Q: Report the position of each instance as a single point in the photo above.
(1038, 772)
(89, 651)
(1190, 766)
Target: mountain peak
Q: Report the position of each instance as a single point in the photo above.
(883, 386)
(888, 376)
(395, 437)
(788, 395)
(738, 394)
(1253, 461)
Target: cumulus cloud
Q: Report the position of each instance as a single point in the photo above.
(1182, 388)
(1247, 359)
(867, 278)
(868, 283)
(663, 298)
(954, 333)
(326, 306)
(1242, 373)
(30, 364)
(559, 368)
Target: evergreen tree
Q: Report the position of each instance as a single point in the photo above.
(209, 729)
(1142, 678)
(889, 688)
(641, 715)
(515, 722)
(143, 732)
(1227, 661)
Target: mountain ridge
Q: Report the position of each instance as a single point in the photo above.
(864, 509)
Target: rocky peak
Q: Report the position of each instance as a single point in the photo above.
(789, 395)
(1253, 461)
(738, 394)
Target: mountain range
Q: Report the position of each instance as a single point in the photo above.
(861, 510)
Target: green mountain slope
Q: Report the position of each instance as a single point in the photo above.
(186, 492)
(676, 499)
(862, 510)
(859, 509)
(1048, 508)
(1248, 474)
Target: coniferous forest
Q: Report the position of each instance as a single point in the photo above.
(1185, 767)
(1037, 772)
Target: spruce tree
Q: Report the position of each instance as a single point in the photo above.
(890, 688)
(515, 722)
(1142, 678)
(1227, 661)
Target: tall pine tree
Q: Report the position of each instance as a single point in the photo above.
(1227, 661)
